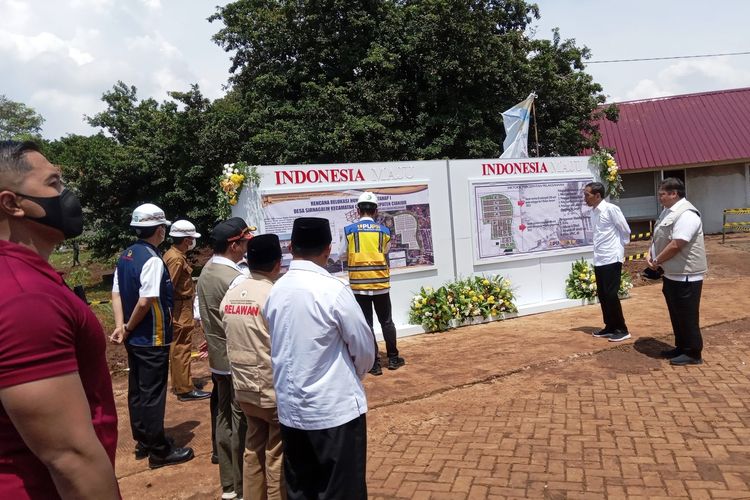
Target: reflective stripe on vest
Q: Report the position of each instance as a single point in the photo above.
(368, 268)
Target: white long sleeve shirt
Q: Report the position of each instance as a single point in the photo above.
(321, 346)
(611, 233)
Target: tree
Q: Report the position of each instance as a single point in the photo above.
(336, 80)
(18, 121)
(153, 153)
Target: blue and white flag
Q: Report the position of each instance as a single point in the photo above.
(516, 121)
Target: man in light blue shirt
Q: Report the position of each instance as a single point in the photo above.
(321, 348)
(611, 233)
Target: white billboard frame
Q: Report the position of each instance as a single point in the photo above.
(405, 282)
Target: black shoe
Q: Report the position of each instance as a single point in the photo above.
(684, 359)
(176, 456)
(619, 336)
(376, 369)
(193, 395)
(395, 362)
(672, 353)
(602, 334)
(214, 458)
(141, 451)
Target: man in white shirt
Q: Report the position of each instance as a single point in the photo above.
(321, 347)
(678, 248)
(611, 234)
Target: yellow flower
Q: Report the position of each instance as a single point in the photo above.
(582, 276)
(486, 282)
(472, 293)
(235, 178)
(611, 162)
(593, 278)
(232, 201)
(491, 299)
(417, 305)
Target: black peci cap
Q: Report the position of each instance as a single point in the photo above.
(263, 249)
(311, 233)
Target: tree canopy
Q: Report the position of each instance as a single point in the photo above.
(18, 121)
(366, 80)
(324, 81)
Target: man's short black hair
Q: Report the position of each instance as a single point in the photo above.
(596, 187)
(220, 246)
(367, 208)
(12, 158)
(145, 233)
(673, 184)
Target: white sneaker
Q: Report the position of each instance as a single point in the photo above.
(229, 495)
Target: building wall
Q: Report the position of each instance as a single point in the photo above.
(712, 189)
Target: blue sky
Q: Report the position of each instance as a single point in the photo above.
(59, 56)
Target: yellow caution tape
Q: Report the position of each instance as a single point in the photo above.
(637, 256)
(97, 302)
(737, 211)
(640, 236)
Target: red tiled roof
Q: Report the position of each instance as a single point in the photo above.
(681, 130)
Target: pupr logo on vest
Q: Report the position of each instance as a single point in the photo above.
(243, 294)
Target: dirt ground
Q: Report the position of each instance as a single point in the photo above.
(452, 375)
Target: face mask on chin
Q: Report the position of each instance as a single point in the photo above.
(191, 245)
(62, 212)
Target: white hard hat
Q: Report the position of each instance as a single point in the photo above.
(183, 229)
(148, 215)
(368, 197)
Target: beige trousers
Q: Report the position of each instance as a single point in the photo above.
(263, 472)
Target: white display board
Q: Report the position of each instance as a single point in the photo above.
(413, 203)
(525, 219)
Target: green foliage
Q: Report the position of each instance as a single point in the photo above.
(18, 121)
(376, 81)
(476, 297)
(153, 153)
(581, 282)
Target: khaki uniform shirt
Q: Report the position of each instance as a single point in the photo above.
(248, 341)
(181, 273)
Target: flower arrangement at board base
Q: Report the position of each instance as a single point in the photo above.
(229, 185)
(581, 282)
(609, 173)
(462, 301)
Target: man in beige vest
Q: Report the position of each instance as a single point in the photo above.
(677, 247)
(249, 351)
(230, 245)
(183, 236)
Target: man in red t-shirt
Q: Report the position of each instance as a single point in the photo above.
(58, 425)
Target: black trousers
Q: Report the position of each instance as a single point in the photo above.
(683, 301)
(147, 396)
(607, 285)
(326, 464)
(382, 305)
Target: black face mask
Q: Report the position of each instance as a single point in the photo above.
(63, 212)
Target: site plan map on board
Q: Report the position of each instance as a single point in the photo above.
(405, 210)
(524, 217)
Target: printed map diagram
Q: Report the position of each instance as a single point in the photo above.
(525, 217)
(404, 210)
